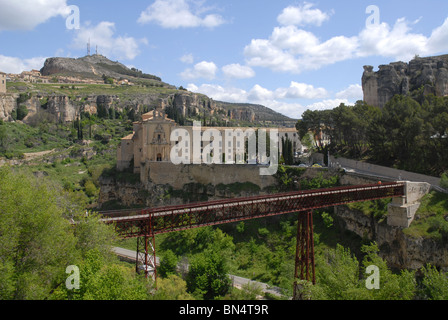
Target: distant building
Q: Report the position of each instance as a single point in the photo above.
(2, 83)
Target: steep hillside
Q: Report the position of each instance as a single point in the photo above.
(66, 102)
(94, 66)
(256, 113)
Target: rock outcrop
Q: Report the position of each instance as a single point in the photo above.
(94, 66)
(8, 103)
(397, 248)
(429, 74)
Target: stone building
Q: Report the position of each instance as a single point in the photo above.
(2, 83)
(151, 142)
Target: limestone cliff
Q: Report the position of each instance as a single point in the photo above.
(397, 248)
(429, 74)
(7, 104)
(66, 108)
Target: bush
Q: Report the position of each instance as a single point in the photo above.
(444, 180)
(90, 188)
(22, 112)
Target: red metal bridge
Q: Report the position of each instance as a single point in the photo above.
(144, 224)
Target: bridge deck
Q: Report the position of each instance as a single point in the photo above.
(141, 222)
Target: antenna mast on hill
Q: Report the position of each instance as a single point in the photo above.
(88, 48)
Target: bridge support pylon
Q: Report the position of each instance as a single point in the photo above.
(146, 252)
(304, 265)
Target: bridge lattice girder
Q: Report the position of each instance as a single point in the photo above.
(134, 223)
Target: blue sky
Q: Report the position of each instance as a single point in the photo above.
(287, 55)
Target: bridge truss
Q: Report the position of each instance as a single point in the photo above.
(145, 224)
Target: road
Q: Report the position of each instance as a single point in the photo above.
(238, 282)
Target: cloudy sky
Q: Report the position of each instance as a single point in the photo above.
(287, 55)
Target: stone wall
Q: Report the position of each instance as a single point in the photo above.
(177, 176)
(386, 172)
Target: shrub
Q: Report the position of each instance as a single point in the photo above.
(444, 180)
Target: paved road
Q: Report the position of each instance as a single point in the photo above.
(238, 282)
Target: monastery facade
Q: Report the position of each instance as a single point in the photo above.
(151, 142)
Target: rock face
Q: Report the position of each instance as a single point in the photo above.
(397, 248)
(7, 104)
(65, 108)
(429, 74)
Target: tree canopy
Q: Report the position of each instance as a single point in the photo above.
(410, 133)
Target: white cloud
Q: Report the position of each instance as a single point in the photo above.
(353, 92)
(290, 49)
(258, 93)
(204, 69)
(395, 42)
(294, 50)
(302, 15)
(17, 65)
(263, 53)
(187, 58)
(175, 14)
(103, 36)
(238, 71)
(438, 42)
(27, 14)
(300, 91)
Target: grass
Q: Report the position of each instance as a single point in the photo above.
(431, 218)
(377, 208)
(74, 166)
(84, 90)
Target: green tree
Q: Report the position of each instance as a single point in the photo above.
(22, 112)
(434, 284)
(36, 242)
(337, 275)
(444, 180)
(171, 288)
(208, 275)
(168, 264)
(42, 231)
(104, 281)
(393, 286)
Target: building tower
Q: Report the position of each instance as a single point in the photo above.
(2, 82)
(88, 48)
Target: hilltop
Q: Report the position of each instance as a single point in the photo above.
(95, 84)
(94, 66)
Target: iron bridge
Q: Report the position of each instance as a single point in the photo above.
(144, 224)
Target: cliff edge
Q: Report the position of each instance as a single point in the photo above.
(429, 74)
